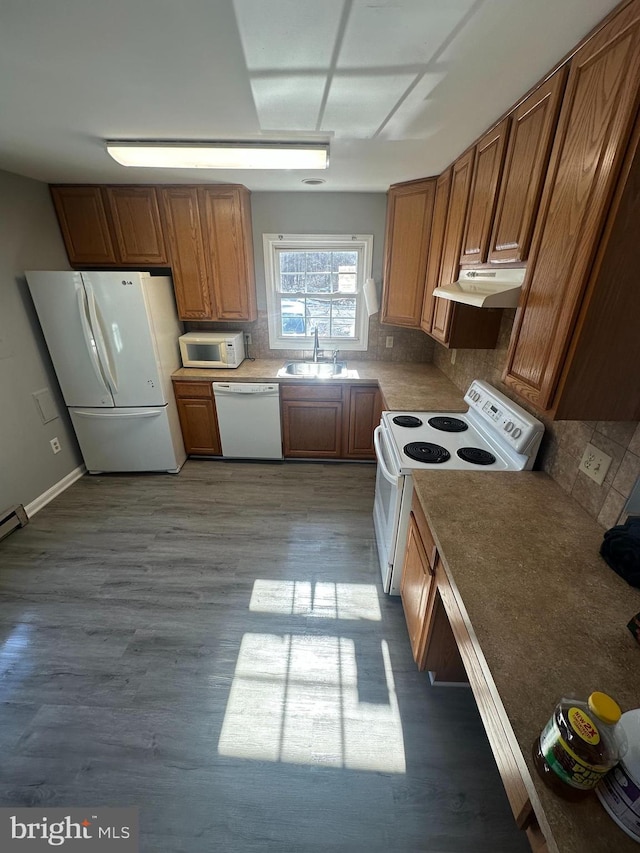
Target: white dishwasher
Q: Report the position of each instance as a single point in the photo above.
(249, 419)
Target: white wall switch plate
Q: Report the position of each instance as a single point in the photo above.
(389, 341)
(594, 464)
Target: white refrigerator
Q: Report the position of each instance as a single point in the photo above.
(113, 340)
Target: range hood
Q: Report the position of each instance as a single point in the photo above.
(485, 288)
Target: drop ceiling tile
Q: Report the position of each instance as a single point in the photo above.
(288, 35)
(358, 104)
(288, 102)
(408, 32)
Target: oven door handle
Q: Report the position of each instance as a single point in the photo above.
(377, 443)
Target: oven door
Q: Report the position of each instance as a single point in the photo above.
(386, 507)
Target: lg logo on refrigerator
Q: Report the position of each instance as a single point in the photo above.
(125, 283)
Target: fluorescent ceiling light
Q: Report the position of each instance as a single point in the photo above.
(221, 155)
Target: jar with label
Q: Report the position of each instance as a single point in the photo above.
(579, 745)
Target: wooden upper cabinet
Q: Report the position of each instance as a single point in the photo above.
(533, 124)
(574, 348)
(436, 241)
(409, 212)
(226, 222)
(452, 242)
(136, 224)
(83, 222)
(209, 234)
(188, 262)
(489, 157)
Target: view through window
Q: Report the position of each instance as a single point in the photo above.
(316, 283)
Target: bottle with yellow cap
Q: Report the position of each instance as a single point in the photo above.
(579, 745)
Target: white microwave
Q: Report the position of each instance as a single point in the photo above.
(212, 349)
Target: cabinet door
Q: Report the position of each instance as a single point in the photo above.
(364, 405)
(409, 212)
(484, 194)
(532, 129)
(312, 428)
(84, 225)
(595, 122)
(450, 264)
(226, 223)
(198, 419)
(415, 588)
(136, 224)
(436, 241)
(184, 237)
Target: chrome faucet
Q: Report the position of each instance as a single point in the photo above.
(315, 344)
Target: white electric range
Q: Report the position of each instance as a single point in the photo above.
(494, 434)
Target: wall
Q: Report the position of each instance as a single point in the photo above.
(325, 213)
(564, 441)
(29, 239)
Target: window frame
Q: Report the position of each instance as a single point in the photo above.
(272, 243)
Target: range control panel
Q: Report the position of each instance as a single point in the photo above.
(513, 424)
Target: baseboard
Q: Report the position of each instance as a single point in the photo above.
(55, 490)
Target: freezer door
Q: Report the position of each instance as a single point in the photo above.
(132, 439)
(63, 311)
(124, 337)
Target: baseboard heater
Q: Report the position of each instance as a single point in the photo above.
(12, 518)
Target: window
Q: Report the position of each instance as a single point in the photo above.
(315, 282)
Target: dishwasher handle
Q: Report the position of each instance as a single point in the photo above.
(222, 389)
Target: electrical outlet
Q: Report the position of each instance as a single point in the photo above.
(247, 338)
(389, 341)
(594, 464)
(453, 356)
(55, 445)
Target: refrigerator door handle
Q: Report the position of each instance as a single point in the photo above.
(151, 413)
(99, 338)
(89, 339)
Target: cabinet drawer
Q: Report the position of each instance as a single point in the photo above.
(311, 392)
(193, 389)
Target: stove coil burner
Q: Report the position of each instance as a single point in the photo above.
(424, 451)
(448, 424)
(407, 421)
(476, 455)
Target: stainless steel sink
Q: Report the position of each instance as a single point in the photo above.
(321, 369)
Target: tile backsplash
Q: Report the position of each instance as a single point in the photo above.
(408, 344)
(564, 441)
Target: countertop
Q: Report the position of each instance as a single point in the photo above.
(405, 386)
(548, 613)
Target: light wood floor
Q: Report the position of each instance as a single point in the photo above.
(214, 647)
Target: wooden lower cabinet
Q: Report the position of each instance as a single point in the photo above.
(363, 407)
(312, 421)
(432, 641)
(198, 419)
(417, 592)
(329, 421)
(442, 644)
